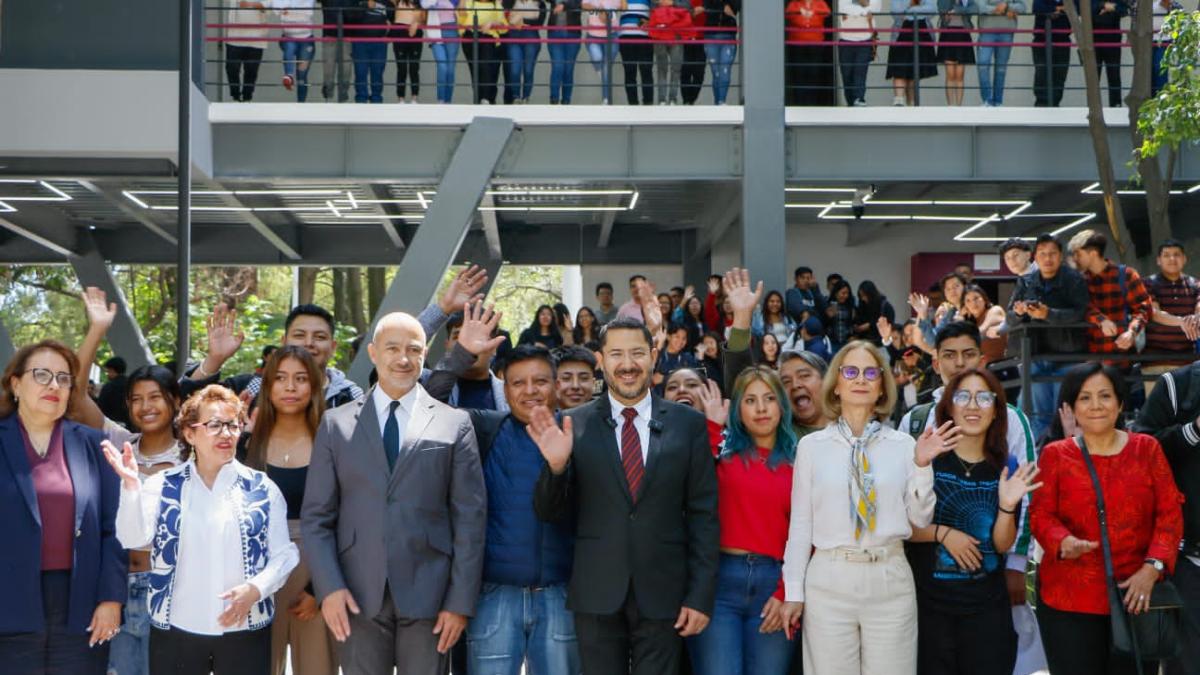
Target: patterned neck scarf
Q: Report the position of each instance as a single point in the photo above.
(862, 482)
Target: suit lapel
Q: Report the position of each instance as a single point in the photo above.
(75, 453)
(603, 427)
(418, 421)
(657, 412)
(18, 463)
(367, 436)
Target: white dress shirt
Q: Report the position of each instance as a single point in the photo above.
(209, 561)
(408, 403)
(641, 422)
(821, 508)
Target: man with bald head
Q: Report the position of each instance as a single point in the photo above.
(394, 516)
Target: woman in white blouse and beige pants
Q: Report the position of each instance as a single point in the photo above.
(858, 490)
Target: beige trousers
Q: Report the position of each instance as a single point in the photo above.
(860, 618)
(312, 644)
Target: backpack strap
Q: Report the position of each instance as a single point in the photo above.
(917, 418)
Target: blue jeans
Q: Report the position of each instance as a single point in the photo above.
(732, 645)
(1159, 78)
(562, 64)
(129, 652)
(522, 59)
(1045, 395)
(297, 57)
(515, 626)
(602, 62)
(369, 61)
(720, 59)
(446, 56)
(855, 56)
(993, 63)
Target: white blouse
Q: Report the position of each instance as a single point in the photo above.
(209, 561)
(821, 508)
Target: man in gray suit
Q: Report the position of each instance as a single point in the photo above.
(394, 516)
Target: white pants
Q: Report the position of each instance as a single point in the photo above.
(860, 618)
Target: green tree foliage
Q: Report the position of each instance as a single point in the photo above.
(1172, 118)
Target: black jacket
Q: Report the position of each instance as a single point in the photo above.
(1067, 297)
(667, 543)
(1170, 416)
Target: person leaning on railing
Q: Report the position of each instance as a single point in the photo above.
(298, 17)
(244, 47)
(1049, 16)
(483, 24)
(856, 46)
(1175, 324)
(525, 19)
(809, 63)
(368, 52)
(721, 48)
(335, 57)
(408, 20)
(442, 31)
(564, 40)
(910, 21)
(997, 23)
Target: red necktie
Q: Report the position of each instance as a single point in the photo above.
(631, 453)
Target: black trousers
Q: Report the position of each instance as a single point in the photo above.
(241, 69)
(488, 60)
(983, 643)
(809, 76)
(1108, 60)
(55, 651)
(626, 643)
(408, 65)
(638, 58)
(1187, 580)
(691, 78)
(1081, 644)
(178, 652)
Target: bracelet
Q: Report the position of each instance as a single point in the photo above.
(1004, 510)
(943, 539)
(935, 532)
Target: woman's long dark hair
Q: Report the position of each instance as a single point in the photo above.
(782, 305)
(593, 334)
(987, 304)
(167, 384)
(995, 443)
(536, 326)
(264, 424)
(1072, 385)
(837, 287)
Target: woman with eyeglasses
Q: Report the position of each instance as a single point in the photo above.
(63, 571)
(220, 546)
(964, 618)
(860, 489)
(752, 439)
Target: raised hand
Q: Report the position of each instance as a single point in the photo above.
(479, 324)
(689, 292)
(1014, 488)
(920, 304)
(1067, 416)
(934, 442)
(224, 337)
(885, 328)
(463, 289)
(555, 443)
(652, 315)
(100, 313)
(742, 298)
(716, 408)
(123, 463)
(714, 286)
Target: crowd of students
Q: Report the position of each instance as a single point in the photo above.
(754, 482)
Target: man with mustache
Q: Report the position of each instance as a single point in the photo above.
(637, 475)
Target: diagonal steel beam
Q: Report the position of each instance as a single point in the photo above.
(258, 225)
(46, 227)
(389, 228)
(116, 200)
(491, 227)
(607, 221)
(125, 336)
(7, 349)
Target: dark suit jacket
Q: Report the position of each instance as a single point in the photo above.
(667, 543)
(100, 564)
(419, 528)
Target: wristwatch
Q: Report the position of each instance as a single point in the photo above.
(1157, 564)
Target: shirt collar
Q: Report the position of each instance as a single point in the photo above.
(643, 407)
(382, 401)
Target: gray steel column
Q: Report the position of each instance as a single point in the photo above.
(764, 250)
(696, 266)
(437, 343)
(450, 215)
(7, 349)
(183, 281)
(125, 336)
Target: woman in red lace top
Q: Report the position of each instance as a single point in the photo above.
(1145, 524)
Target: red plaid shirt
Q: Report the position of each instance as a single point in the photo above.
(1133, 309)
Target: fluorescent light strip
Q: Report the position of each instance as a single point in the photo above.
(821, 190)
(385, 216)
(5, 208)
(316, 192)
(61, 196)
(1094, 189)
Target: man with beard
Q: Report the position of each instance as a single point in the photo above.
(637, 474)
(575, 376)
(801, 372)
(957, 348)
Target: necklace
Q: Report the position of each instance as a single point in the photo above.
(967, 466)
(287, 450)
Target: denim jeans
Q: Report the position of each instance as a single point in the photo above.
(562, 64)
(446, 56)
(129, 653)
(993, 63)
(1158, 77)
(522, 59)
(720, 60)
(597, 52)
(855, 57)
(732, 645)
(297, 57)
(1045, 395)
(369, 61)
(515, 626)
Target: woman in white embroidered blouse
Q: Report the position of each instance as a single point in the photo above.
(220, 545)
(858, 490)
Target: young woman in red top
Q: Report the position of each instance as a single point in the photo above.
(755, 452)
(809, 63)
(1145, 524)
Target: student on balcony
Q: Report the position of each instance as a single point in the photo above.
(483, 24)
(637, 54)
(911, 30)
(564, 41)
(856, 47)
(442, 30)
(722, 46)
(997, 21)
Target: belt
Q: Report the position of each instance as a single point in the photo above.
(865, 555)
(753, 558)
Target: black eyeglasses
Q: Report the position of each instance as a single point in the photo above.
(44, 377)
(216, 427)
(871, 373)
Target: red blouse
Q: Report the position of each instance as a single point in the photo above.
(55, 498)
(754, 502)
(1144, 518)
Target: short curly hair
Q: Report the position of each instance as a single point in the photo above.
(189, 412)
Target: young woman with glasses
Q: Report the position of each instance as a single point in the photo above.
(965, 622)
(855, 590)
(220, 545)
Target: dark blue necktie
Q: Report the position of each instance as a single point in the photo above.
(391, 436)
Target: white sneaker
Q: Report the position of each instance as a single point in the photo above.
(898, 101)
(860, 103)
(662, 102)
(603, 101)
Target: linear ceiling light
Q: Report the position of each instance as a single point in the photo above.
(1094, 189)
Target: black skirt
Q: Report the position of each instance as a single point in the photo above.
(963, 54)
(900, 56)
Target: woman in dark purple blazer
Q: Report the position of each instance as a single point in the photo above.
(62, 571)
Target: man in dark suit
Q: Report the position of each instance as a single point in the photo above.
(394, 516)
(638, 475)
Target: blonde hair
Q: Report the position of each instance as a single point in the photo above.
(189, 412)
(829, 399)
(1077, 242)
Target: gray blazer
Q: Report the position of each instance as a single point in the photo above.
(419, 529)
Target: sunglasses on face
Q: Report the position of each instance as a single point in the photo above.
(983, 399)
(216, 427)
(871, 373)
(44, 377)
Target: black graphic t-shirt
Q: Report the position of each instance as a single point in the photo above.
(969, 504)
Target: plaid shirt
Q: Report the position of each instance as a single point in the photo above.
(1133, 309)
